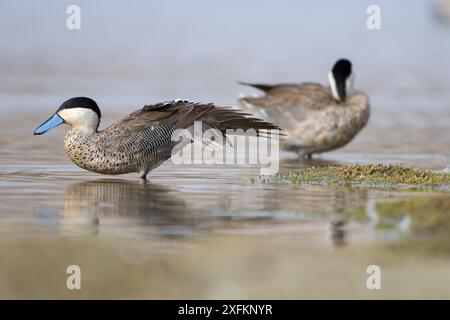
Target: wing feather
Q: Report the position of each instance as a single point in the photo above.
(151, 127)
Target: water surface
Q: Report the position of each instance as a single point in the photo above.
(209, 231)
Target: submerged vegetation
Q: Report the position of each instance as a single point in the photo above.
(379, 174)
(430, 213)
(428, 223)
(420, 223)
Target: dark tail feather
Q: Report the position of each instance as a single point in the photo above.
(225, 118)
(262, 87)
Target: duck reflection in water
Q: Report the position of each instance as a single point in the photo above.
(125, 207)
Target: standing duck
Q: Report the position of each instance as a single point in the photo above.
(141, 141)
(314, 118)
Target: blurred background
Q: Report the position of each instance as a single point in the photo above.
(208, 232)
(148, 50)
(129, 54)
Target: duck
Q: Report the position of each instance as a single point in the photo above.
(141, 141)
(314, 118)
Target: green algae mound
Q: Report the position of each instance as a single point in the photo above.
(362, 175)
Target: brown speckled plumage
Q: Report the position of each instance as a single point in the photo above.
(142, 141)
(311, 118)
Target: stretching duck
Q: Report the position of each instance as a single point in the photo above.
(143, 140)
(314, 118)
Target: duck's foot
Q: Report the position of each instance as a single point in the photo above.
(143, 175)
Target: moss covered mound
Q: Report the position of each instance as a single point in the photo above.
(363, 174)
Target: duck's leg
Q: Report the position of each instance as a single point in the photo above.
(143, 174)
(304, 155)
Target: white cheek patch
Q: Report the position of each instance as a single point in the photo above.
(333, 87)
(349, 85)
(80, 117)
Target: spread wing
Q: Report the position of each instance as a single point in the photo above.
(146, 130)
(150, 129)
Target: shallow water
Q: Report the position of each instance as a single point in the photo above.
(209, 231)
